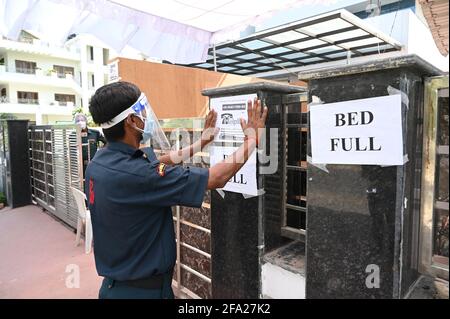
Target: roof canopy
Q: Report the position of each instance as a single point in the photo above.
(327, 37)
(436, 14)
(180, 31)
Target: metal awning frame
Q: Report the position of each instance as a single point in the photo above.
(270, 62)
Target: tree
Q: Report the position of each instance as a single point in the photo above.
(7, 116)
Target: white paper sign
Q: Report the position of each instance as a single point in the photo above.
(245, 179)
(113, 73)
(366, 131)
(230, 110)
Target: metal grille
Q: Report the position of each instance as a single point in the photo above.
(295, 138)
(332, 36)
(192, 275)
(55, 154)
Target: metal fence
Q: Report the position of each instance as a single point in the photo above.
(192, 275)
(56, 165)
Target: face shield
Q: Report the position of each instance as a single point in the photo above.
(142, 109)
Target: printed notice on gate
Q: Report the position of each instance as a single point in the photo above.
(365, 132)
(230, 110)
(244, 181)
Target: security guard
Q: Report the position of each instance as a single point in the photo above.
(90, 139)
(130, 191)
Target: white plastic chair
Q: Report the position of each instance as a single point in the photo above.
(84, 219)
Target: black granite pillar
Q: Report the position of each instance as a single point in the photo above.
(365, 216)
(237, 224)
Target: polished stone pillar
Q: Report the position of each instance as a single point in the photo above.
(362, 219)
(237, 224)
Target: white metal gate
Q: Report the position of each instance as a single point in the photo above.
(56, 165)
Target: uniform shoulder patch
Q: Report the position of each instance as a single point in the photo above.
(91, 192)
(161, 169)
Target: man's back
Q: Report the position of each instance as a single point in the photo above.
(129, 199)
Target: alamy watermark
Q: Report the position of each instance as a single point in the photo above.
(373, 279)
(73, 276)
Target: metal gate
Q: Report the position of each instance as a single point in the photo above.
(56, 165)
(435, 190)
(192, 273)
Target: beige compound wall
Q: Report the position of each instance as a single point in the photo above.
(175, 91)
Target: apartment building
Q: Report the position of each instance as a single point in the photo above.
(45, 83)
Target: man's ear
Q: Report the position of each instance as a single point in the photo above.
(130, 120)
(129, 123)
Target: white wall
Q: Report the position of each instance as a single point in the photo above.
(89, 67)
(407, 28)
(278, 283)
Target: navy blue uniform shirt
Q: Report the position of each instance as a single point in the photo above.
(130, 194)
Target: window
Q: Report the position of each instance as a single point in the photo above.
(441, 203)
(90, 52)
(92, 81)
(105, 56)
(3, 97)
(64, 98)
(63, 70)
(296, 136)
(27, 97)
(25, 67)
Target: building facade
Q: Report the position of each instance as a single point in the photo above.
(45, 83)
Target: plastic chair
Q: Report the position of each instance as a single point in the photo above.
(84, 219)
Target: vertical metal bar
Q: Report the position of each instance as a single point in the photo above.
(80, 157)
(179, 287)
(283, 130)
(47, 198)
(215, 57)
(261, 215)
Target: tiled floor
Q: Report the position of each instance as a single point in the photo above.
(38, 257)
(429, 288)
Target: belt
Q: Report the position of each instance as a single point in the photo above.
(153, 282)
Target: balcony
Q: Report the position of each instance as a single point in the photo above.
(38, 77)
(42, 48)
(33, 106)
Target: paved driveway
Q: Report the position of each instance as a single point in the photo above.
(38, 258)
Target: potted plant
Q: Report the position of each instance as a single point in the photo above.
(2, 200)
(52, 73)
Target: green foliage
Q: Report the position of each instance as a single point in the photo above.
(7, 116)
(2, 198)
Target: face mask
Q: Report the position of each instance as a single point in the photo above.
(147, 132)
(82, 124)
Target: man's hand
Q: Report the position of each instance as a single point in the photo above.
(253, 128)
(210, 130)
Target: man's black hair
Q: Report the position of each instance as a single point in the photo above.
(109, 101)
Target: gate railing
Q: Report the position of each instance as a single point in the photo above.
(56, 165)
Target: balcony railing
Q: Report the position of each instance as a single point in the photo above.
(27, 101)
(26, 70)
(65, 103)
(38, 72)
(6, 99)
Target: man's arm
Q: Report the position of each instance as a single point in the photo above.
(177, 157)
(222, 172)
